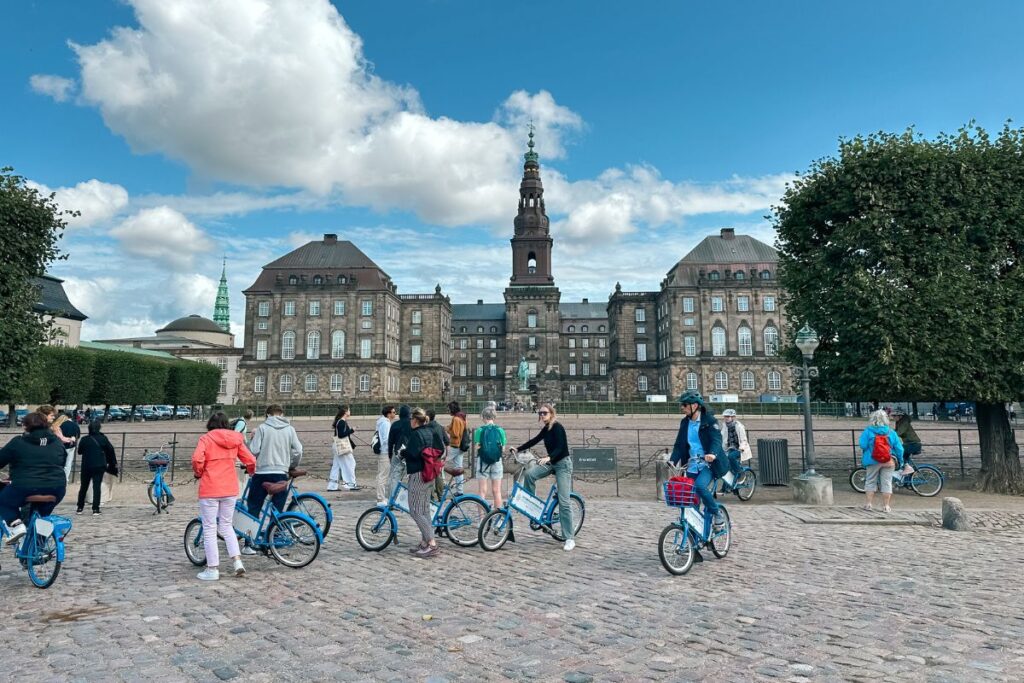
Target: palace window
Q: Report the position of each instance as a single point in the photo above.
(288, 345)
(718, 347)
(771, 341)
(747, 380)
(745, 339)
(721, 381)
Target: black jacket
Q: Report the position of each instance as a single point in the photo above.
(422, 437)
(400, 432)
(555, 442)
(97, 453)
(341, 429)
(71, 430)
(36, 460)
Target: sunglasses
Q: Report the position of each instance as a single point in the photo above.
(543, 412)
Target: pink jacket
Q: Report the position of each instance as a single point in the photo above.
(213, 462)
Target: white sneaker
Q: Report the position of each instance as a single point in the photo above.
(246, 550)
(569, 545)
(208, 574)
(239, 568)
(15, 530)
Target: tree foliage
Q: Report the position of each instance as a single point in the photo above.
(192, 383)
(61, 375)
(907, 257)
(128, 379)
(30, 227)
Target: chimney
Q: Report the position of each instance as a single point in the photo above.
(331, 238)
(728, 233)
(586, 300)
(479, 302)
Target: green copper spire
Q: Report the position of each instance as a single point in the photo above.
(221, 312)
(531, 155)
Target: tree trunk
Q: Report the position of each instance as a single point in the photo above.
(131, 415)
(106, 412)
(12, 416)
(1000, 457)
(913, 410)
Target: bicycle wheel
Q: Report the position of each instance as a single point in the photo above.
(675, 548)
(721, 540)
(926, 481)
(375, 529)
(495, 529)
(315, 508)
(462, 521)
(152, 497)
(195, 551)
(747, 485)
(293, 542)
(857, 478)
(579, 512)
(41, 559)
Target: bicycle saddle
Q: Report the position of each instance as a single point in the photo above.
(295, 474)
(41, 499)
(453, 471)
(275, 487)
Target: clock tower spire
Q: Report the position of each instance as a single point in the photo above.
(531, 242)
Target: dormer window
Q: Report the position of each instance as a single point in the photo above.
(293, 279)
(766, 275)
(714, 275)
(740, 275)
(318, 280)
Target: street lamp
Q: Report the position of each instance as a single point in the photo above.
(807, 342)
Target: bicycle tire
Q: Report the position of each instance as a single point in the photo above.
(579, 513)
(195, 551)
(857, 478)
(152, 498)
(495, 528)
(674, 544)
(315, 509)
(468, 513)
(41, 558)
(293, 541)
(924, 479)
(721, 543)
(380, 531)
(747, 486)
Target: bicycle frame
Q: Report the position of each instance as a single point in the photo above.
(254, 529)
(526, 503)
(37, 528)
(400, 501)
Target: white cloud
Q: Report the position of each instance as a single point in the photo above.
(57, 87)
(96, 200)
(230, 203)
(163, 235)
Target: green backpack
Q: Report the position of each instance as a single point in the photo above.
(490, 444)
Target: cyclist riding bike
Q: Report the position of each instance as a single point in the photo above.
(911, 441)
(698, 447)
(36, 460)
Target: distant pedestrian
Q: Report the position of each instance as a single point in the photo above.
(882, 453)
(379, 445)
(490, 440)
(344, 464)
(243, 423)
(911, 441)
(398, 438)
(213, 463)
(424, 444)
(736, 446)
(460, 439)
(98, 458)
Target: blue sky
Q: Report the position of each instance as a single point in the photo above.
(192, 129)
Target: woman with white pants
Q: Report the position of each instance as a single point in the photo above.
(344, 462)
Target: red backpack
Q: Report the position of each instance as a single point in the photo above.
(881, 451)
(432, 463)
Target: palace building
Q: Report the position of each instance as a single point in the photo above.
(325, 323)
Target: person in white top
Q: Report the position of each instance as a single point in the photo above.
(734, 441)
(380, 448)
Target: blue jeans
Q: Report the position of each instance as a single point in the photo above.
(734, 462)
(563, 478)
(13, 497)
(456, 458)
(703, 485)
(257, 494)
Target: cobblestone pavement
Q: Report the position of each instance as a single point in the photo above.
(792, 601)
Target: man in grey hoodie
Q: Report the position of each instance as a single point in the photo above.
(277, 449)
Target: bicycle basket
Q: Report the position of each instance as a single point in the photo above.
(157, 460)
(526, 457)
(680, 493)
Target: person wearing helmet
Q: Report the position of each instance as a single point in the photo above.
(698, 447)
(911, 441)
(734, 438)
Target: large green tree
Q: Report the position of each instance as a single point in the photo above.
(61, 375)
(907, 256)
(30, 226)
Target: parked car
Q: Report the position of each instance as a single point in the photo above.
(20, 414)
(3, 419)
(163, 412)
(183, 412)
(143, 413)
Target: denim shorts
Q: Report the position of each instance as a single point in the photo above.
(493, 471)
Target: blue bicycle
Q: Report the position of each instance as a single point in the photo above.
(291, 538)
(743, 485)
(496, 527)
(680, 541)
(459, 519)
(159, 490)
(41, 549)
(312, 505)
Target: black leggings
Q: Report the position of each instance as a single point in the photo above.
(96, 477)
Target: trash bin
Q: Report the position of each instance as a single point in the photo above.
(773, 461)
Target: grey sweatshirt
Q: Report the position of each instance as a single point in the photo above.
(276, 446)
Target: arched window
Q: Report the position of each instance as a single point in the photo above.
(721, 381)
(747, 381)
(336, 383)
(531, 318)
(774, 381)
(364, 382)
(766, 275)
(691, 381)
(771, 341)
(718, 346)
(311, 382)
(341, 279)
(714, 275)
(313, 345)
(288, 345)
(745, 339)
(479, 329)
(494, 330)
(740, 275)
(338, 344)
(641, 382)
(584, 329)
(318, 280)
(600, 328)
(293, 279)
(462, 330)
(414, 385)
(572, 328)
(285, 383)
(531, 263)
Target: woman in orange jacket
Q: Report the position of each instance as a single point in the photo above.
(213, 463)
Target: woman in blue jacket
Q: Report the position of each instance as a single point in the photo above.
(879, 473)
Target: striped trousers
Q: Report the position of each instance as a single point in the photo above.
(419, 505)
